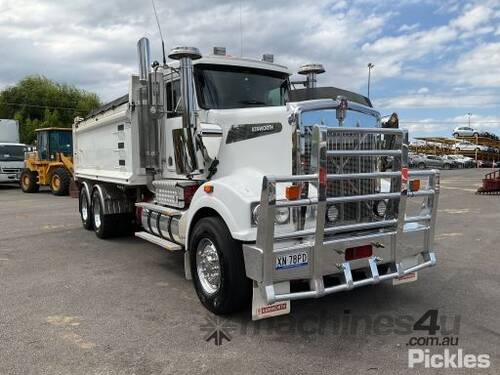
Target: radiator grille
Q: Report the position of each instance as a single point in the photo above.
(11, 170)
(352, 212)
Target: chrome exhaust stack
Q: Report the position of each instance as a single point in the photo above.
(311, 71)
(148, 123)
(144, 56)
(185, 150)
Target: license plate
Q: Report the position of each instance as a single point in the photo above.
(408, 278)
(294, 260)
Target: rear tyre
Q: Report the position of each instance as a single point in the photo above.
(446, 166)
(218, 268)
(421, 166)
(59, 182)
(104, 225)
(28, 181)
(85, 210)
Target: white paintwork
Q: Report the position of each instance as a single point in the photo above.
(95, 147)
(468, 146)
(242, 165)
(6, 166)
(9, 131)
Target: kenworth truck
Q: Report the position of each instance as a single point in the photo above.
(274, 190)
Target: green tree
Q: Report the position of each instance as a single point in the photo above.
(38, 102)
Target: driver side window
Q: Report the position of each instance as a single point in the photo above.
(173, 95)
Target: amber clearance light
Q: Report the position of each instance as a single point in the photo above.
(292, 192)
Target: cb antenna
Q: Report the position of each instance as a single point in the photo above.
(161, 34)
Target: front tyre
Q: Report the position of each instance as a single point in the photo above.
(28, 181)
(218, 267)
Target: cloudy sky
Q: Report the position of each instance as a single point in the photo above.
(435, 60)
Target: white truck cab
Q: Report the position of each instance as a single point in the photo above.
(261, 184)
(11, 161)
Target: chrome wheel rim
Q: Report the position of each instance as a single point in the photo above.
(85, 209)
(208, 266)
(97, 213)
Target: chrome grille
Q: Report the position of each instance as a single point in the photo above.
(11, 170)
(352, 212)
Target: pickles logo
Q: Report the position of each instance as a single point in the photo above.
(448, 359)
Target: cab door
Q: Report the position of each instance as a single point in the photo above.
(43, 145)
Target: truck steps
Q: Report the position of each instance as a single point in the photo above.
(168, 245)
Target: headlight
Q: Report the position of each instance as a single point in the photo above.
(281, 216)
(332, 213)
(256, 214)
(379, 208)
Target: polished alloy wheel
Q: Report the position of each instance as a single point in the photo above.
(85, 209)
(208, 266)
(97, 212)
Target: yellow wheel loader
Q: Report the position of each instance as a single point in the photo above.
(51, 164)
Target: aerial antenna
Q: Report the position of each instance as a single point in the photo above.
(161, 34)
(241, 34)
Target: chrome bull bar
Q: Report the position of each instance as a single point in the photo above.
(322, 244)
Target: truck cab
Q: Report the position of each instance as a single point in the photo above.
(11, 161)
(263, 182)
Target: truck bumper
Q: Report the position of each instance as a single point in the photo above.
(9, 177)
(403, 256)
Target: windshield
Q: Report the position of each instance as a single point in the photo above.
(12, 153)
(61, 141)
(353, 119)
(226, 87)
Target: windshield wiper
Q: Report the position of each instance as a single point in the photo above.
(251, 102)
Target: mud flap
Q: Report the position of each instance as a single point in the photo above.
(408, 278)
(261, 310)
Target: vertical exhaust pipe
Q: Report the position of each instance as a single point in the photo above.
(311, 71)
(148, 126)
(186, 159)
(144, 56)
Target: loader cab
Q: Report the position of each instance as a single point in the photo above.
(53, 141)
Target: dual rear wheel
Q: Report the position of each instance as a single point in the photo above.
(94, 217)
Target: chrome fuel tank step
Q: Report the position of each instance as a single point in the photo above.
(161, 222)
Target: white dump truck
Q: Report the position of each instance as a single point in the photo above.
(275, 190)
